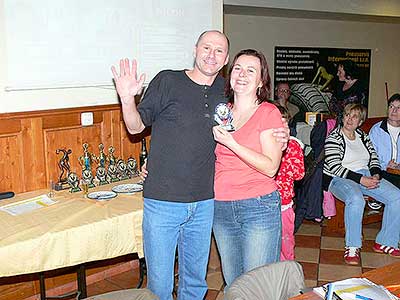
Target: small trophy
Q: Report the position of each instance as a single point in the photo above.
(131, 167)
(65, 169)
(87, 178)
(101, 168)
(122, 171)
(224, 117)
(101, 175)
(112, 175)
(73, 182)
(111, 158)
(86, 162)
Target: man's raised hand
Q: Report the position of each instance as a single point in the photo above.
(127, 83)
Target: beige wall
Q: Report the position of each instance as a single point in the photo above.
(264, 33)
(362, 7)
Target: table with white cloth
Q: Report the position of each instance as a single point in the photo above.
(71, 232)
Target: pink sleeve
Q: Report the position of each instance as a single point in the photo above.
(270, 117)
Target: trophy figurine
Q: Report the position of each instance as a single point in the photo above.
(101, 175)
(121, 170)
(65, 169)
(101, 160)
(111, 158)
(224, 117)
(86, 162)
(131, 167)
(87, 177)
(73, 182)
(112, 173)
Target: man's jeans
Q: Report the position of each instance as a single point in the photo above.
(188, 225)
(247, 233)
(351, 193)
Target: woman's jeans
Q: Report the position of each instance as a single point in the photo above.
(247, 233)
(351, 193)
(188, 225)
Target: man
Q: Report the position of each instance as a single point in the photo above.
(282, 94)
(385, 138)
(178, 191)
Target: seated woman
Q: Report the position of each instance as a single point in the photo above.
(351, 170)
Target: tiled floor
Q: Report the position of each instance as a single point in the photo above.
(320, 255)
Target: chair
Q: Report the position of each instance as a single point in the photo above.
(278, 281)
(130, 294)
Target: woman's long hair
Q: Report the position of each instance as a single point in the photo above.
(264, 92)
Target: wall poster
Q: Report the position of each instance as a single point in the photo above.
(323, 79)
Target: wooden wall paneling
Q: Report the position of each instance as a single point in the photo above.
(116, 132)
(70, 138)
(11, 163)
(106, 130)
(33, 154)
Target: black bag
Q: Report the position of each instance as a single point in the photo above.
(310, 164)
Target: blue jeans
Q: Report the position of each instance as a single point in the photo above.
(351, 193)
(167, 225)
(247, 233)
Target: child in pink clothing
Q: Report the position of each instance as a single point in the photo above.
(291, 169)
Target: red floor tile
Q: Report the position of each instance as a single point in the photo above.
(331, 257)
(310, 270)
(308, 241)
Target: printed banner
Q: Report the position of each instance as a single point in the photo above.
(323, 79)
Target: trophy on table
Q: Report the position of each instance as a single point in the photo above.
(122, 170)
(86, 162)
(73, 182)
(131, 167)
(112, 172)
(101, 160)
(224, 116)
(65, 169)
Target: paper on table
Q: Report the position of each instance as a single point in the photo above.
(24, 206)
(357, 288)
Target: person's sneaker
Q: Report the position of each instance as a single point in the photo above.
(394, 252)
(352, 256)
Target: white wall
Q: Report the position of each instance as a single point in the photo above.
(27, 100)
(264, 33)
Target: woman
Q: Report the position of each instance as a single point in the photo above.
(351, 170)
(349, 90)
(247, 214)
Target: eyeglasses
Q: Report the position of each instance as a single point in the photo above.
(392, 107)
(283, 90)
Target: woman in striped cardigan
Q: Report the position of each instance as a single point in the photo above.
(352, 170)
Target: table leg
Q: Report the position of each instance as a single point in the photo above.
(142, 271)
(42, 286)
(81, 277)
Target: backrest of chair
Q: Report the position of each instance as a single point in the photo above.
(278, 281)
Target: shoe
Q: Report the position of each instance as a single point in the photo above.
(393, 252)
(352, 256)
